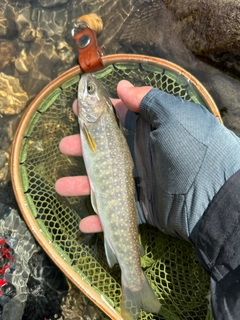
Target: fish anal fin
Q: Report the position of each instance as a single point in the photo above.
(135, 301)
(110, 254)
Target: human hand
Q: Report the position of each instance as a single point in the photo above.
(185, 161)
(177, 142)
(130, 99)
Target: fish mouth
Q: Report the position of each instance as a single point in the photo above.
(82, 86)
(84, 80)
(83, 83)
(86, 100)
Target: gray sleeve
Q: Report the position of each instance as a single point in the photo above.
(183, 156)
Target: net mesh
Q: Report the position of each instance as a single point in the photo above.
(177, 278)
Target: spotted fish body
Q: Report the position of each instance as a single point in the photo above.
(109, 166)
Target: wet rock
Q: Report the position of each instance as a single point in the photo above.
(75, 305)
(3, 158)
(25, 24)
(48, 56)
(12, 97)
(37, 22)
(228, 97)
(7, 18)
(34, 285)
(47, 287)
(4, 174)
(8, 53)
(3, 22)
(208, 26)
(210, 29)
(13, 231)
(41, 62)
(13, 310)
(11, 127)
(22, 63)
(40, 54)
(51, 3)
(8, 126)
(4, 167)
(34, 81)
(65, 53)
(7, 200)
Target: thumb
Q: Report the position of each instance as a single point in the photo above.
(131, 96)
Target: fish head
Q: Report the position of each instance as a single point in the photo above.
(91, 99)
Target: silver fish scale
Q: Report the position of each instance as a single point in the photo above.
(110, 174)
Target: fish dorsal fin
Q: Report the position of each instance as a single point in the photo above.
(110, 254)
(89, 137)
(94, 201)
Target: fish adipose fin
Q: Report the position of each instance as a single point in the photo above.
(135, 301)
(110, 254)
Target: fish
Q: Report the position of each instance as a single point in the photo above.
(109, 166)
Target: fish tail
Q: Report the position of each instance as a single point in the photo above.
(134, 301)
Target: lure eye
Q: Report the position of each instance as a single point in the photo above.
(90, 88)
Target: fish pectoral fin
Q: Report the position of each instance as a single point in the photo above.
(89, 137)
(110, 254)
(94, 201)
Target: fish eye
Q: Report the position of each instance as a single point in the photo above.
(90, 88)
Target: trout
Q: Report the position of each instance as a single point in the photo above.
(109, 167)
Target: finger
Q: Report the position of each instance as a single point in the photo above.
(90, 224)
(131, 96)
(73, 186)
(75, 107)
(71, 145)
(121, 109)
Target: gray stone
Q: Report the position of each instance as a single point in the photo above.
(24, 248)
(37, 22)
(3, 158)
(7, 18)
(51, 3)
(41, 62)
(3, 22)
(13, 310)
(208, 27)
(13, 98)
